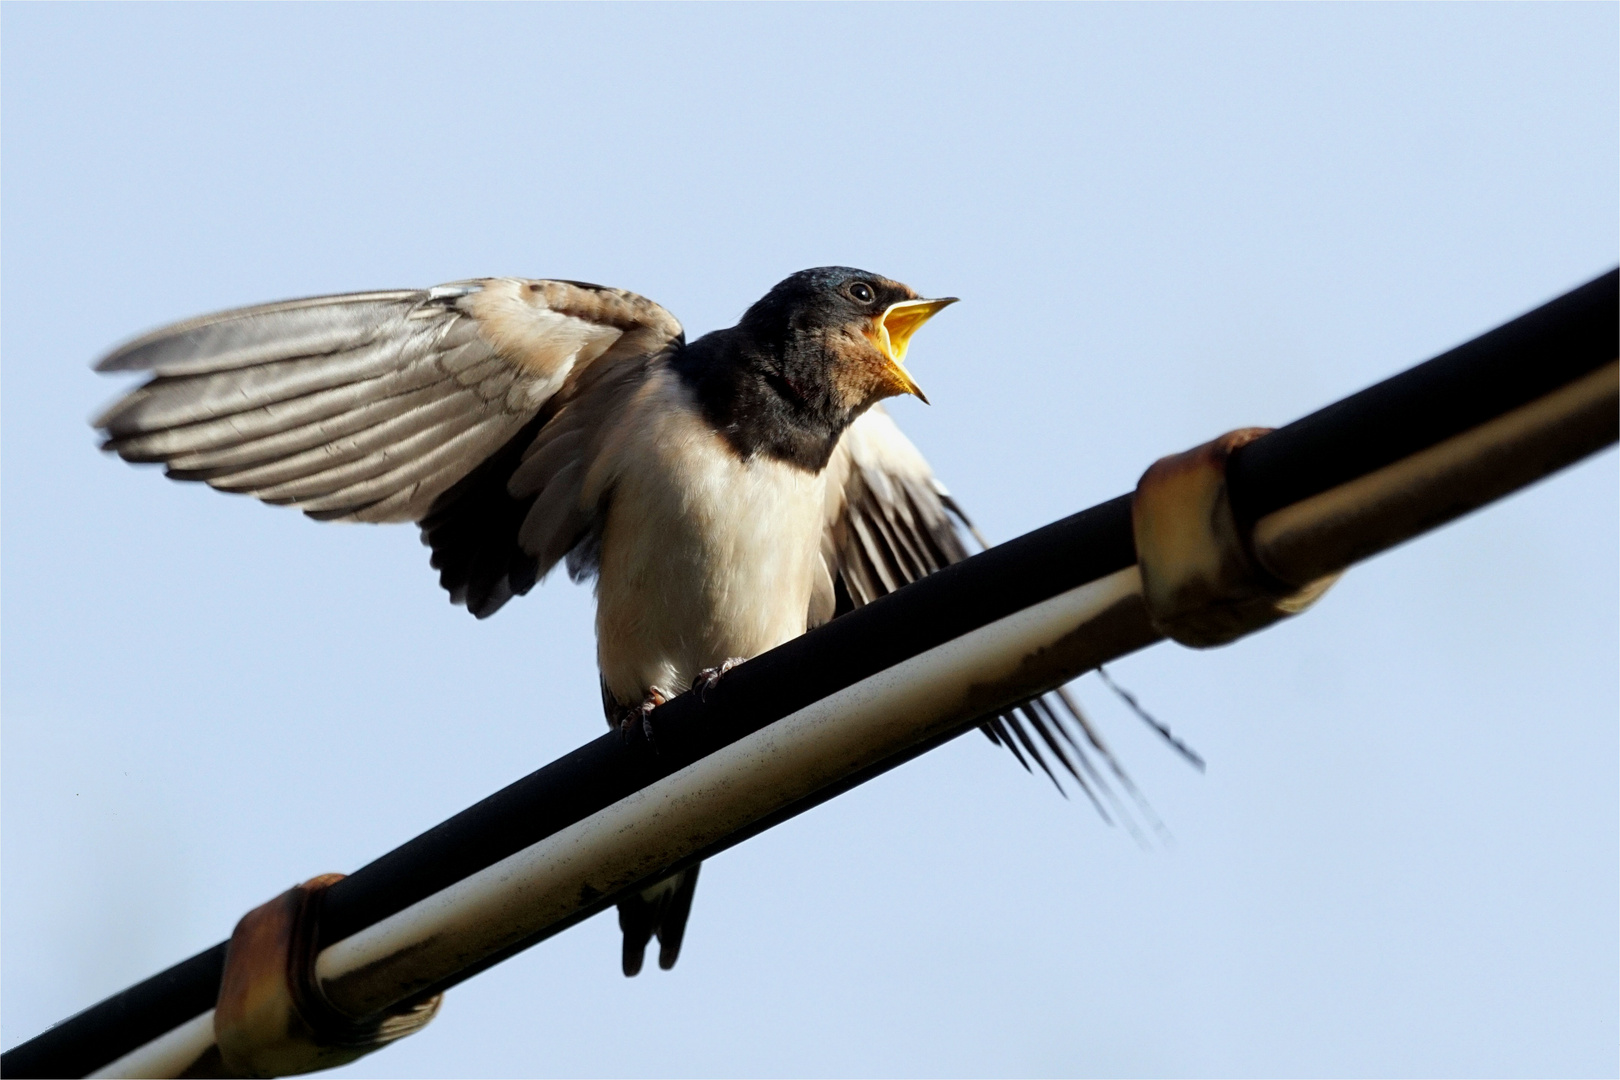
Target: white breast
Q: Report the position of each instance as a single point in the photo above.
(704, 556)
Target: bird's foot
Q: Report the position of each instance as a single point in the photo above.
(709, 676)
(634, 716)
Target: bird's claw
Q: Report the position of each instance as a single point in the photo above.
(628, 719)
(709, 676)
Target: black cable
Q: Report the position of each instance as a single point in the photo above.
(1477, 381)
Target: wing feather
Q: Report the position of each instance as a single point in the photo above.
(890, 522)
(246, 337)
(171, 400)
(552, 525)
(345, 406)
(384, 406)
(329, 435)
(311, 488)
(412, 489)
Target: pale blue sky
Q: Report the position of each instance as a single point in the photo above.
(1164, 222)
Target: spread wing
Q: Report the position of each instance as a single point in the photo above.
(383, 406)
(890, 522)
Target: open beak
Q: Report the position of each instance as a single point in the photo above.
(894, 329)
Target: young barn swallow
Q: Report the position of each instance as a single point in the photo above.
(726, 494)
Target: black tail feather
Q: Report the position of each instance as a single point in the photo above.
(660, 911)
(672, 929)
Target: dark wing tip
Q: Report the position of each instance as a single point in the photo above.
(1191, 756)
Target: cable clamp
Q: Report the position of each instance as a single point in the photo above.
(271, 1018)
(1201, 582)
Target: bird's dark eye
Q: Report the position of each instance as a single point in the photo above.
(862, 292)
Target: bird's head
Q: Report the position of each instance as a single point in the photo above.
(839, 335)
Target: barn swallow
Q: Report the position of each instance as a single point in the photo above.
(725, 494)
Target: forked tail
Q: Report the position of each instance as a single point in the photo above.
(659, 910)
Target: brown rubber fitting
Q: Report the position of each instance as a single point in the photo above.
(1202, 585)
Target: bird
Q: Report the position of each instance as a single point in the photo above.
(725, 494)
